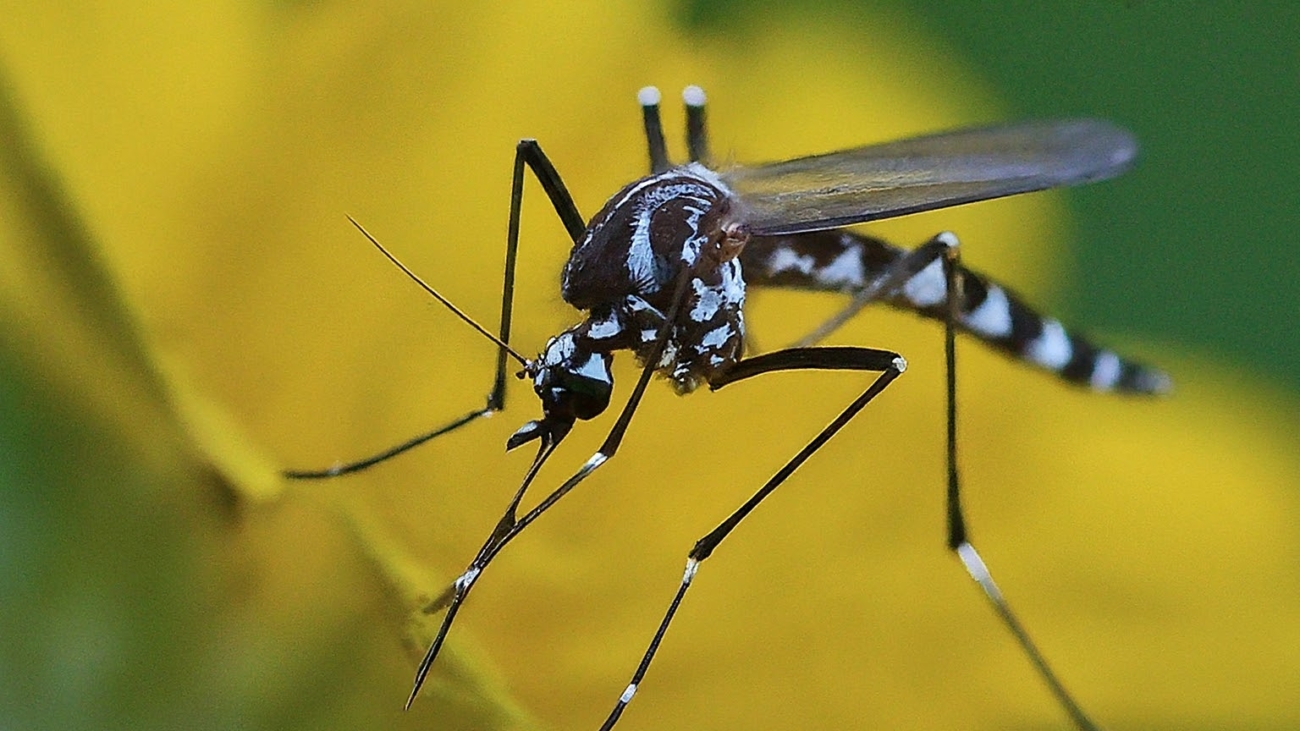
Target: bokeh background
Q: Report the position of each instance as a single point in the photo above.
(184, 310)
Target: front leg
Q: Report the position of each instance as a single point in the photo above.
(527, 153)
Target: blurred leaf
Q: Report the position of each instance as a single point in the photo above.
(141, 590)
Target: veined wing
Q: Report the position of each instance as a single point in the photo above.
(924, 173)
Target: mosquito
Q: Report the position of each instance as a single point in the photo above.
(661, 270)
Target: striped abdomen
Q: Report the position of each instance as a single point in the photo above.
(841, 261)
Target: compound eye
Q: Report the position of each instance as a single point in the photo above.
(589, 386)
(587, 397)
(577, 390)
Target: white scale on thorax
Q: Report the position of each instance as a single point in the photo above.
(562, 347)
(649, 195)
(594, 368)
(606, 328)
(559, 349)
(640, 254)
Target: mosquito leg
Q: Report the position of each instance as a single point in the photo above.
(958, 536)
(697, 138)
(454, 595)
(889, 365)
(361, 464)
(529, 153)
(509, 526)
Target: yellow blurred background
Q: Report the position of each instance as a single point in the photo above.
(185, 311)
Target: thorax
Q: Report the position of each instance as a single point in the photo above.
(624, 270)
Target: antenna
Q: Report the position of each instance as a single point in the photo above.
(455, 310)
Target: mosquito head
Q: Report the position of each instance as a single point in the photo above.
(572, 381)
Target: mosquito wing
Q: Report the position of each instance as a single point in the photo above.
(923, 173)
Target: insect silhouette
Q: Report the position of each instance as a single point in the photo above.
(661, 270)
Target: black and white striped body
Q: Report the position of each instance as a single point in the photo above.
(662, 271)
(843, 261)
(622, 271)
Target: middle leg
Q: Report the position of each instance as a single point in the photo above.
(888, 364)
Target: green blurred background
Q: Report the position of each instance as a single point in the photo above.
(1196, 247)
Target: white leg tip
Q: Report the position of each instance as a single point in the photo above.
(974, 564)
(596, 460)
(693, 96)
(466, 580)
(648, 96)
(978, 570)
(692, 566)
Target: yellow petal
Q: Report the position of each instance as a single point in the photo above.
(1146, 543)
